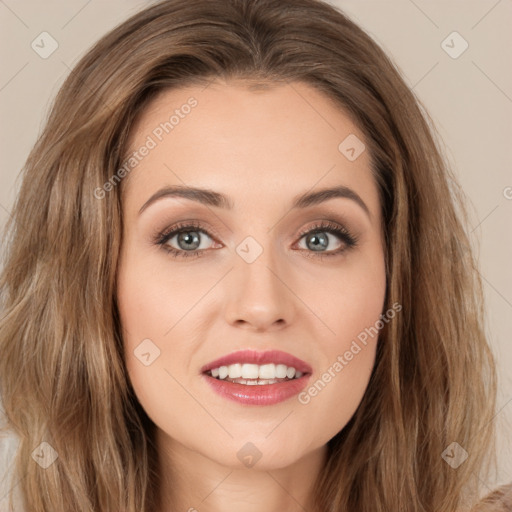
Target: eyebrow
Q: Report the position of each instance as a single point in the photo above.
(211, 198)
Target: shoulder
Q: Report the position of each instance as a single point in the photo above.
(499, 500)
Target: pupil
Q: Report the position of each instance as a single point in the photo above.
(189, 237)
(317, 240)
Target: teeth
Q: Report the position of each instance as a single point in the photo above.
(268, 381)
(253, 374)
(235, 371)
(255, 382)
(250, 371)
(223, 372)
(280, 371)
(267, 371)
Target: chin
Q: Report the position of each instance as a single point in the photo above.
(258, 453)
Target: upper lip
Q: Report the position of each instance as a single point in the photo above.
(256, 357)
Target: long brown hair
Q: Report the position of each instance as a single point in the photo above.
(62, 375)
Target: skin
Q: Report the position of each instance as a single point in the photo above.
(261, 148)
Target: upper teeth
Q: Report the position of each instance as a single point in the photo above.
(255, 371)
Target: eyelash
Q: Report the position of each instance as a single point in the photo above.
(343, 234)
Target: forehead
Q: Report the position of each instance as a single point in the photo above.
(266, 142)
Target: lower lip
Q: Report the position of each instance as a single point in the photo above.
(265, 394)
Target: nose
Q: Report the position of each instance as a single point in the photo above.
(258, 295)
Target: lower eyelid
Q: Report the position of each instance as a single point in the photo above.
(173, 234)
(340, 233)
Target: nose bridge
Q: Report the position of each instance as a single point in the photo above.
(257, 294)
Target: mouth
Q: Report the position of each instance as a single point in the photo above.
(254, 374)
(257, 378)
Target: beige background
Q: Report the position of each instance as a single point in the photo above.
(469, 98)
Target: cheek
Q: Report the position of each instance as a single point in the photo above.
(158, 311)
(350, 306)
(333, 395)
(154, 298)
(346, 298)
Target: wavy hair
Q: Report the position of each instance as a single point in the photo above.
(62, 374)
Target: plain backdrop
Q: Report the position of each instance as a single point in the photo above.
(468, 94)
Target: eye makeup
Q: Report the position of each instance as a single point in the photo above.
(347, 239)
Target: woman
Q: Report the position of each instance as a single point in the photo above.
(257, 373)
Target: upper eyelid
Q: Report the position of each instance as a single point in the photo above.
(347, 237)
(322, 224)
(174, 230)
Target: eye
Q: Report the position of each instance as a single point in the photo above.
(319, 237)
(188, 240)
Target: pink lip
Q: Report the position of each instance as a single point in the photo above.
(266, 394)
(255, 357)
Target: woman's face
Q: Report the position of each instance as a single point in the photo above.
(251, 274)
